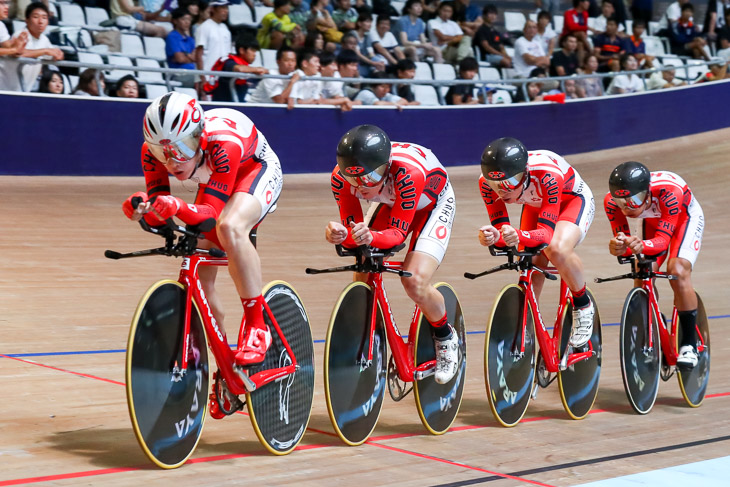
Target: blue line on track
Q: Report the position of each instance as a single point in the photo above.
(92, 352)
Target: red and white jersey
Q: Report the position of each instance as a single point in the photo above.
(414, 183)
(552, 183)
(670, 200)
(231, 146)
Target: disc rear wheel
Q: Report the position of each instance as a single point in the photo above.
(693, 382)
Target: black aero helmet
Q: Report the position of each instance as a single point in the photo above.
(363, 155)
(629, 184)
(505, 161)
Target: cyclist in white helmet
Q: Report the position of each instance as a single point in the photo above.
(239, 181)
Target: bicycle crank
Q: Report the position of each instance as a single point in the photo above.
(223, 396)
(396, 387)
(544, 378)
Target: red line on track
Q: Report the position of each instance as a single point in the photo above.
(457, 464)
(64, 476)
(88, 376)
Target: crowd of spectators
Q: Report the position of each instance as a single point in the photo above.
(369, 39)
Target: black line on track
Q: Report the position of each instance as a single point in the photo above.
(581, 463)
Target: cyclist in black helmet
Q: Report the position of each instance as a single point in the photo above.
(558, 210)
(410, 194)
(673, 224)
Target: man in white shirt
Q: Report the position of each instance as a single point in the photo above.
(448, 36)
(271, 90)
(37, 46)
(529, 53)
(309, 91)
(212, 38)
(673, 13)
(607, 11)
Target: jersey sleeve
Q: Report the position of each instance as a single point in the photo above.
(550, 183)
(408, 187)
(670, 204)
(618, 221)
(348, 204)
(496, 209)
(157, 181)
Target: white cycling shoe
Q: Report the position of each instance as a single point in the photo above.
(447, 357)
(687, 358)
(582, 325)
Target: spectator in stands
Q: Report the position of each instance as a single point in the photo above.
(685, 37)
(277, 28)
(35, 44)
(88, 85)
(127, 87)
(348, 67)
(314, 41)
(384, 43)
(608, 47)
(128, 14)
(576, 23)
(379, 93)
(529, 53)
(490, 41)
(299, 13)
(307, 91)
(430, 8)
(448, 36)
(723, 33)
(412, 33)
(321, 20)
(571, 89)
(552, 7)
(405, 69)
(246, 49)
(467, 16)
(534, 93)
(364, 45)
(607, 11)
(213, 39)
(9, 47)
(663, 79)
(272, 90)
(636, 46)
(589, 87)
(344, 16)
(180, 46)
(715, 18)
(333, 91)
(724, 51)
(718, 71)
(464, 94)
(627, 82)
(51, 82)
(642, 10)
(545, 35)
(672, 14)
(565, 62)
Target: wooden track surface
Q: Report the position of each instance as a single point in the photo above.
(64, 416)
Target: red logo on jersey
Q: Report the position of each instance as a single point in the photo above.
(354, 170)
(622, 193)
(496, 175)
(697, 245)
(441, 232)
(269, 195)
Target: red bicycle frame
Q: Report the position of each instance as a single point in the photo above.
(238, 382)
(549, 345)
(402, 350)
(667, 337)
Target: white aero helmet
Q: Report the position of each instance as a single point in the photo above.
(173, 124)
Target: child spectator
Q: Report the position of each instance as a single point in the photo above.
(30, 42)
(246, 49)
(685, 37)
(344, 16)
(490, 41)
(565, 61)
(333, 91)
(405, 69)
(384, 42)
(627, 82)
(379, 93)
(277, 28)
(529, 53)
(448, 36)
(636, 46)
(608, 47)
(663, 79)
(51, 82)
(589, 87)
(307, 91)
(545, 35)
(464, 94)
(272, 90)
(412, 33)
(213, 39)
(127, 87)
(88, 85)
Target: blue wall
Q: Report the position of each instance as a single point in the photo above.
(81, 136)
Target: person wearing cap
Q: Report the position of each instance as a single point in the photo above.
(557, 211)
(410, 194)
(672, 228)
(212, 38)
